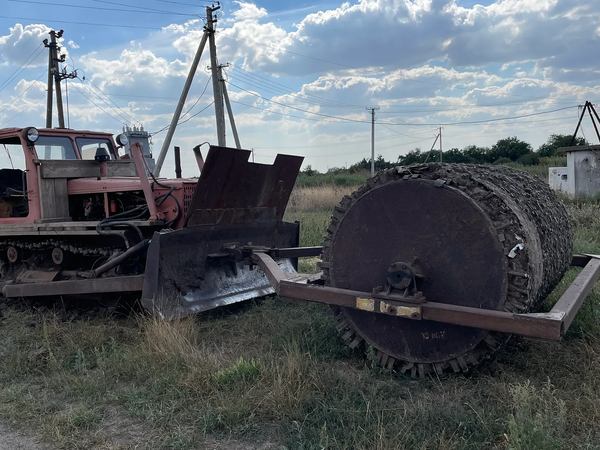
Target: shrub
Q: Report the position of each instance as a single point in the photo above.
(529, 159)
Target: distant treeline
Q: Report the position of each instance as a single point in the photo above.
(507, 150)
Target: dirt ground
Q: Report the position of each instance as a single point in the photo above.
(10, 440)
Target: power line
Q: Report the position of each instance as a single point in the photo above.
(297, 108)
(148, 97)
(329, 154)
(197, 113)
(107, 101)
(22, 67)
(270, 111)
(346, 119)
(82, 92)
(99, 8)
(184, 121)
(275, 91)
(170, 2)
(284, 88)
(322, 145)
(198, 99)
(499, 119)
(129, 5)
(72, 22)
(263, 84)
(33, 84)
(455, 107)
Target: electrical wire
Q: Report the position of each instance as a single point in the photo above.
(129, 5)
(36, 51)
(105, 98)
(98, 8)
(198, 99)
(259, 86)
(183, 121)
(276, 86)
(416, 124)
(180, 3)
(82, 92)
(73, 22)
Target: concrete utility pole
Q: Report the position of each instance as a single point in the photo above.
(219, 91)
(229, 110)
(50, 88)
(441, 150)
(372, 109)
(55, 76)
(57, 80)
(438, 136)
(214, 67)
(182, 98)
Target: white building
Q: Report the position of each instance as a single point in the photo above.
(581, 177)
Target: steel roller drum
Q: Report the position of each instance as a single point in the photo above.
(484, 237)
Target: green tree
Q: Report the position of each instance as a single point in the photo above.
(363, 164)
(529, 159)
(511, 148)
(556, 141)
(477, 155)
(309, 171)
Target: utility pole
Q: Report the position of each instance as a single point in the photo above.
(228, 106)
(441, 151)
(57, 80)
(219, 91)
(372, 109)
(55, 75)
(182, 98)
(214, 67)
(50, 88)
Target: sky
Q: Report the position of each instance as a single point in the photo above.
(301, 75)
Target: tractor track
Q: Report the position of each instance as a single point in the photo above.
(80, 254)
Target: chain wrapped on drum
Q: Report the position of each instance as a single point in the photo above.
(487, 236)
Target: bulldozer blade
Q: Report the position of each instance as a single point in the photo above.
(189, 271)
(236, 203)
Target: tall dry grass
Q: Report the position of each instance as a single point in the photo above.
(317, 197)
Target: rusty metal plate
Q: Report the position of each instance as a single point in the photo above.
(247, 192)
(454, 243)
(36, 276)
(189, 270)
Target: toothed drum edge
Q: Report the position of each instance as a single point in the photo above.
(485, 236)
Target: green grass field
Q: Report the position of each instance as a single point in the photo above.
(274, 373)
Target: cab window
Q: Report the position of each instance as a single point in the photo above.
(13, 181)
(88, 147)
(55, 147)
(12, 155)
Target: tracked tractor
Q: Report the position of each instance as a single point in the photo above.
(434, 266)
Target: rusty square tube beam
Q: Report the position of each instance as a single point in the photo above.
(551, 326)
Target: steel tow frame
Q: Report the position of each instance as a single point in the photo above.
(551, 325)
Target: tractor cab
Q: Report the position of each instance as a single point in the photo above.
(23, 153)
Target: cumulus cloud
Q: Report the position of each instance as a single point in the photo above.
(21, 42)
(422, 61)
(409, 33)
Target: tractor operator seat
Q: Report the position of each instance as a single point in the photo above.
(13, 188)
